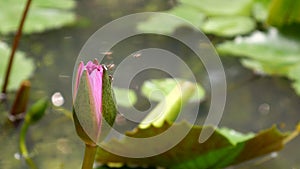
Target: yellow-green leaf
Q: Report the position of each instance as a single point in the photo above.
(284, 12)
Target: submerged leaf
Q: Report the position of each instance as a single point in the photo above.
(224, 148)
(22, 68)
(42, 15)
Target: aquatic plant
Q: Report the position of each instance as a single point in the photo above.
(93, 108)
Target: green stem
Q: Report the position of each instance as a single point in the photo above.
(89, 156)
(15, 46)
(23, 147)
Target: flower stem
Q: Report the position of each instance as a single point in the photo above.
(23, 147)
(15, 46)
(89, 156)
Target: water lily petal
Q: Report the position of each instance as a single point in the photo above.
(78, 76)
(95, 78)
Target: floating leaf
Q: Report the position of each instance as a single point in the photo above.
(156, 89)
(125, 97)
(190, 14)
(157, 22)
(223, 18)
(221, 7)
(267, 53)
(229, 25)
(224, 148)
(42, 15)
(22, 67)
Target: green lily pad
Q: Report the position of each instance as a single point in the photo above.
(224, 148)
(22, 67)
(190, 14)
(156, 23)
(267, 53)
(42, 15)
(229, 26)
(125, 97)
(221, 7)
(218, 17)
(157, 88)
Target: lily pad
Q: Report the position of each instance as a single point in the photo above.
(42, 15)
(22, 67)
(224, 148)
(267, 53)
(221, 7)
(125, 97)
(190, 14)
(156, 23)
(219, 17)
(229, 26)
(156, 89)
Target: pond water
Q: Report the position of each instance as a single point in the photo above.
(253, 103)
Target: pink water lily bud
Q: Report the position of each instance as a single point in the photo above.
(93, 102)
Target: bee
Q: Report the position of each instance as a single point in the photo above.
(110, 66)
(137, 55)
(108, 55)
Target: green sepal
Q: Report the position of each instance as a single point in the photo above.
(84, 112)
(80, 131)
(109, 109)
